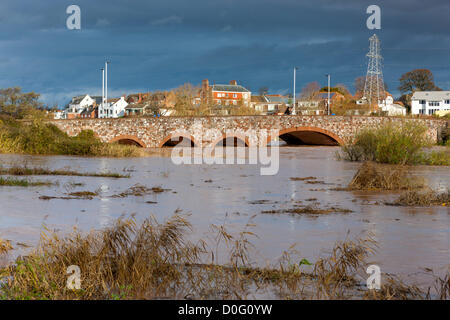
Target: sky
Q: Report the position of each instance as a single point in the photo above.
(160, 45)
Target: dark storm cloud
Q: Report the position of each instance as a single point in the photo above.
(162, 44)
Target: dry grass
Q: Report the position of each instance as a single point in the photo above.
(424, 198)
(336, 273)
(373, 176)
(154, 261)
(308, 210)
(302, 179)
(5, 246)
(117, 150)
(394, 288)
(139, 190)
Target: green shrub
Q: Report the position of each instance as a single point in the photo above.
(43, 138)
(389, 143)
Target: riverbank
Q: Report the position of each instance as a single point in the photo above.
(42, 138)
(155, 260)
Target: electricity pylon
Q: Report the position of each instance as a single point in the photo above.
(374, 86)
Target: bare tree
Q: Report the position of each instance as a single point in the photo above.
(310, 91)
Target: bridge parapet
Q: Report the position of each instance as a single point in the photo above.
(156, 132)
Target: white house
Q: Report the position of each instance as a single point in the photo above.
(429, 102)
(114, 108)
(391, 108)
(79, 103)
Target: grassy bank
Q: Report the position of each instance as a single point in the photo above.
(46, 139)
(395, 144)
(25, 171)
(11, 182)
(155, 260)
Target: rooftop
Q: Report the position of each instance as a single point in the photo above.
(229, 87)
(431, 95)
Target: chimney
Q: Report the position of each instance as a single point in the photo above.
(233, 82)
(205, 85)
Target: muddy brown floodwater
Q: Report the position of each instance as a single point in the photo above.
(409, 239)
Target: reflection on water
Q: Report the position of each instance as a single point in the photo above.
(409, 238)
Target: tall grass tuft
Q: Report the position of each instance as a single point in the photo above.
(5, 246)
(374, 176)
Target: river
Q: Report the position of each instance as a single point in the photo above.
(409, 239)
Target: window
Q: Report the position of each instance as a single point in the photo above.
(234, 95)
(447, 101)
(434, 103)
(422, 101)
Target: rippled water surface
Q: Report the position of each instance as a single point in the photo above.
(409, 238)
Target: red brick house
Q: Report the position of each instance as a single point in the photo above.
(224, 94)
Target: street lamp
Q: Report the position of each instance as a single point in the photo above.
(328, 101)
(100, 111)
(294, 111)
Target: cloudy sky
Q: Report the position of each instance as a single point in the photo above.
(159, 45)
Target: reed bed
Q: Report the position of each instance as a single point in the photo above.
(154, 260)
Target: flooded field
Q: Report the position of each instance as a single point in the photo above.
(409, 239)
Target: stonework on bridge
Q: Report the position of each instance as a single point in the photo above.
(165, 131)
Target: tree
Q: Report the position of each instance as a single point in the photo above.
(20, 105)
(310, 91)
(342, 88)
(360, 83)
(417, 80)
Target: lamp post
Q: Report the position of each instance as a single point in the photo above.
(294, 111)
(106, 83)
(328, 100)
(103, 93)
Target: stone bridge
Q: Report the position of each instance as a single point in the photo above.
(151, 132)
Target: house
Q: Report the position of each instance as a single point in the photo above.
(310, 107)
(269, 104)
(430, 102)
(78, 105)
(390, 108)
(114, 108)
(135, 109)
(224, 94)
(162, 103)
(89, 112)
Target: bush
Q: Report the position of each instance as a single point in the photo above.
(389, 144)
(372, 176)
(46, 139)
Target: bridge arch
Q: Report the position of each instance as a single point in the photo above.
(128, 139)
(232, 139)
(168, 142)
(308, 136)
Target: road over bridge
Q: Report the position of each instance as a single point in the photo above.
(151, 132)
